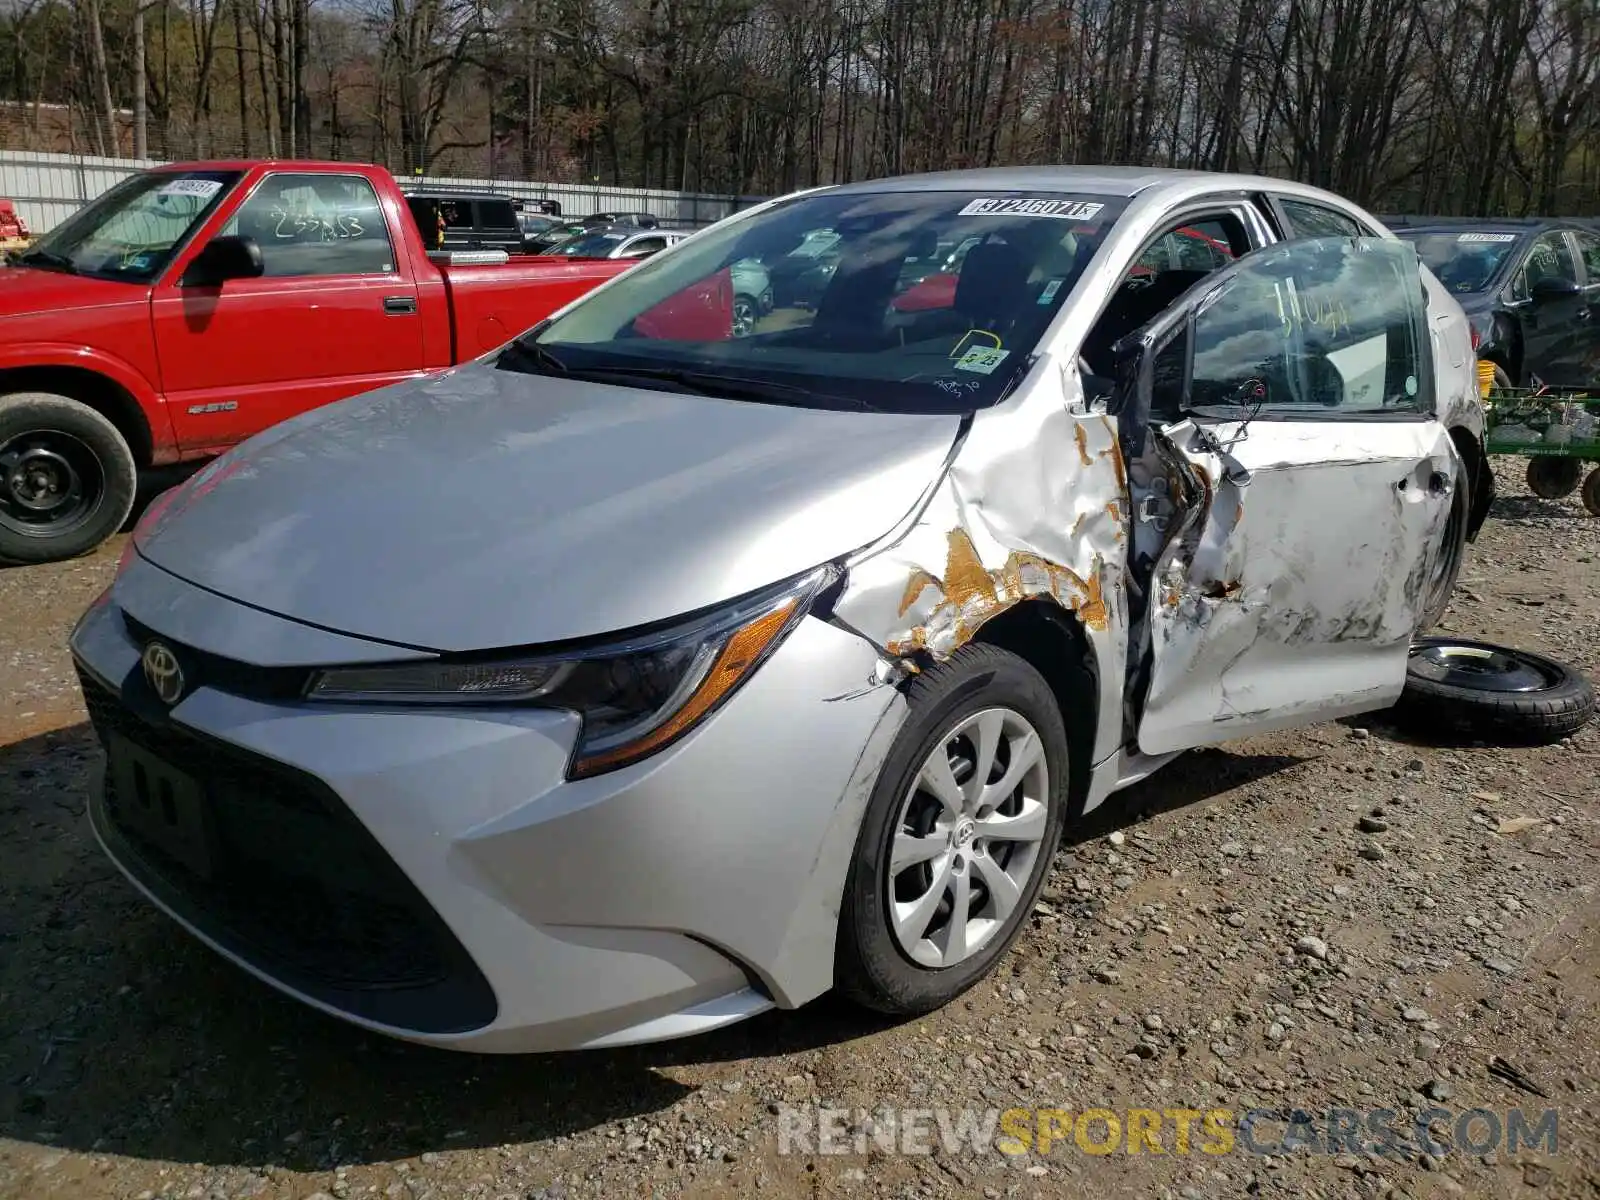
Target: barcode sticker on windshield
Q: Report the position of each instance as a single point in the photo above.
(1065, 210)
(204, 188)
(1487, 237)
(982, 359)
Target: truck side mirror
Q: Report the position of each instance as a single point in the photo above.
(226, 257)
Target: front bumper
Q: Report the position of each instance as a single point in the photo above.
(430, 873)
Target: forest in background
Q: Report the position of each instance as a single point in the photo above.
(1438, 106)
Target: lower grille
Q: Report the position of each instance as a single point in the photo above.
(270, 864)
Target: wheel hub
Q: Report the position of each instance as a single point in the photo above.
(968, 839)
(48, 481)
(40, 480)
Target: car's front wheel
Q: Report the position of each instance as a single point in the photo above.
(958, 836)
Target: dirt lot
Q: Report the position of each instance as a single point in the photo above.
(1247, 930)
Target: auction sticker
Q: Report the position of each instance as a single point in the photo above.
(204, 188)
(982, 359)
(1487, 237)
(1065, 210)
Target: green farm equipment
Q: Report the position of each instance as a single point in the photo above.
(1558, 432)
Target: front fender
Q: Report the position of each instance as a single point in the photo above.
(124, 375)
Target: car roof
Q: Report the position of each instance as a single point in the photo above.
(1101, 180)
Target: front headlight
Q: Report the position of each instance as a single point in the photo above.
(635, 696)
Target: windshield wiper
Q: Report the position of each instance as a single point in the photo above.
(730, 387)
(533, 355)
(47, 258)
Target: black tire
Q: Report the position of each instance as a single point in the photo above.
(1591, 492)
(1552, 478)
(67, 478)
(1494, 693)
(1452, 552)
(870, 965)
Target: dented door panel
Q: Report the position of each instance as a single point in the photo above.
(1296, 594)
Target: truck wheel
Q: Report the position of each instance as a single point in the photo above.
(1501, 695)
(958, 835)
(1591, 492)
(1553, 478)
(67, 478)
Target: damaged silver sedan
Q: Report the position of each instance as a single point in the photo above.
(640, 677)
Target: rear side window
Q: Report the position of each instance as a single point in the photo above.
(497, 214)
(316, 225)
(1589, 247)
(1307, 220)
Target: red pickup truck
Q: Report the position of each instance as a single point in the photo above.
(196, 304)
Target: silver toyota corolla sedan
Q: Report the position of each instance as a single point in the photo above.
(639, 677)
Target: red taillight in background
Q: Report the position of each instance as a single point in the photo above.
(1476, 340)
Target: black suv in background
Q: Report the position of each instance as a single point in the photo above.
(466, 221)
(1530, 288)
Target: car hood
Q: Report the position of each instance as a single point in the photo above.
(25, 291)
(486, 508)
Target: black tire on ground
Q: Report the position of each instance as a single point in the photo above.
(870, 965)
(1552, 478)
(67, 478)
(1591, 492)
(1493, 693)
(1452, 552)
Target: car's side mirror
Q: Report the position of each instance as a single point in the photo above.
(1552, 287)
(226, 257)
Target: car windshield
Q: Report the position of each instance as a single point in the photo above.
(592, 245)
(133, 230)
(873, 334)
(1467, 261)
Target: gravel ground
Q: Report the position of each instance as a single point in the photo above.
(1332, 918)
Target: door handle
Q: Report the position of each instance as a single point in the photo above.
(399, 306)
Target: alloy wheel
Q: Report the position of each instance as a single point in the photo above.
(968, 836)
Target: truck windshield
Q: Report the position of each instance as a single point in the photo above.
(132, 231)
(893, 324)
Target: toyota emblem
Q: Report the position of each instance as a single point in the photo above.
(162, 671)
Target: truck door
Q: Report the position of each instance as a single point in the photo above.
(1297, 392)
(334, 313)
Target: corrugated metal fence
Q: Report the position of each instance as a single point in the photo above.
(48, 188)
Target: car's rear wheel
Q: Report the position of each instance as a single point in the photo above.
(67, 478)
(1451, 554)
(958, 836)
(1552, 478)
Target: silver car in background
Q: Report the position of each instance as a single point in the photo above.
(640, 677)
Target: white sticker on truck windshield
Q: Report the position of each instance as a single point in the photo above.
(1487, 237)
(204, 188)
(1065, 210)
